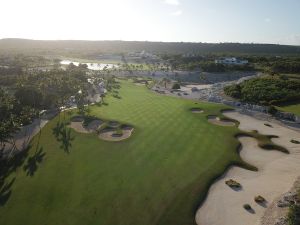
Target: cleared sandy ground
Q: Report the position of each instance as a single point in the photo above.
(276, 175)
(217, 121)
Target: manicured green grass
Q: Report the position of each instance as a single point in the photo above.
(158, 176)
(294, 108)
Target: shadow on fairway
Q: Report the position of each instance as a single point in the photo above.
(5, 191)
(32, 163)
(63, 135)
(8, 166)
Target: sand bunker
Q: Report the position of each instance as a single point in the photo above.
(112, 135)
(114, 132)
(276, 174)
(113, 124)
(90, 128)
(197, 110)
(221, 122)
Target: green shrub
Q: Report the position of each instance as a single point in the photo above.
(176, 86)
(272, 110)
(247, 207)
(294, 215)
(259, 199)
(233, 184)
(268, 125)
(265, 91)
(295, 141)
(233, 91)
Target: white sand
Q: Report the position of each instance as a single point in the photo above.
(199, 86)
(217, 121)
(276, 175)
(109, 135)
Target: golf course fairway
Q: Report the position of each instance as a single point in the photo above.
(159, 175)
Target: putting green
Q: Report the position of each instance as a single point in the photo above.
(157, 176)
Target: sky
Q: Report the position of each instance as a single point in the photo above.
(245, 21)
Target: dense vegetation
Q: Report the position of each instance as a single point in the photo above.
(205, 63)
(12, 116)
(266, 90)
(25, 93)
(286, 67)
(94, 48)
(213, 67)
(294, 213)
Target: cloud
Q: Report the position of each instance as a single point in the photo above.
(268, 20)
(172, 2)
(176, 13)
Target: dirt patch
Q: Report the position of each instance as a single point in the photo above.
(197, 110)
(113, 135)
(221, 122)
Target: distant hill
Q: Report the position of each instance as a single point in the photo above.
(99, 47)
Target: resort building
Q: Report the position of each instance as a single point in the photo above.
(231, 61)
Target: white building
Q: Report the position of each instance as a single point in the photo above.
(231, 61)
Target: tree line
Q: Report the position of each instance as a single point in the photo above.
(270, 90)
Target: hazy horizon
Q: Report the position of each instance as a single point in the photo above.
(216, 21)
(195, 42)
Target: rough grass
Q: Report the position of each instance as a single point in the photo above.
(293, 108)
(157, 176)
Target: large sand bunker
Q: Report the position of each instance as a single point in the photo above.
(276, 174)
(221, 122)
(116, 135)
(108, 131)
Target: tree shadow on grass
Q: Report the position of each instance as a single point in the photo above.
(33, 162)
(66, 140)
(63, 135)
(5, 191)
(57, 129)
(10, 165)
